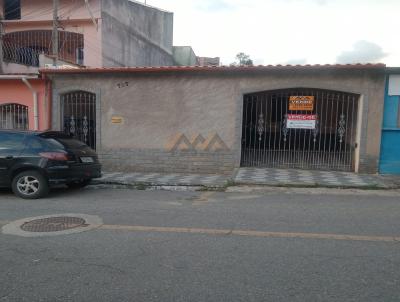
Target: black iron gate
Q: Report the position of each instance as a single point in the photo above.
(79, 116)
(300, 128)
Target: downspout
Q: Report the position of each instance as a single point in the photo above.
(35, 103)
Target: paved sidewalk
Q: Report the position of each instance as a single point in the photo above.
(291, 177)
(257, 176)
(159, 179)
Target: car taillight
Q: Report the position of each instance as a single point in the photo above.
(54, 156)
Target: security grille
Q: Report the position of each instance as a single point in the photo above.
(79, 116)
(299, 128)
(14, 116)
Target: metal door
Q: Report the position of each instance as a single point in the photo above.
(300, 128)
(390, 147)
(79, 116)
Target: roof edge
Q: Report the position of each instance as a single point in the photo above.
(211, 68)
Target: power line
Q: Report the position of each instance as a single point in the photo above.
(55, 32)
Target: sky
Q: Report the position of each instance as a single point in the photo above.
(289, 31)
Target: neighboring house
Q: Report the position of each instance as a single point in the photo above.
(206, 61)
(216, 119)
(92, 33)
(23, 102)
(185, 56)
(390, 146)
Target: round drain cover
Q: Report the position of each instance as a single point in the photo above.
(53, 224)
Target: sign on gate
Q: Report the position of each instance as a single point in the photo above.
(305, 103)
(301, 121)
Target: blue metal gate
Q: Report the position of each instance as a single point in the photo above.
(390, 145)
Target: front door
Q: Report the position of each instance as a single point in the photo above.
(390, 147)
(79, 116)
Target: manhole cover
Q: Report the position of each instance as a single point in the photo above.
(53, 224)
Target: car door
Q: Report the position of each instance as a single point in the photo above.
(11, 145)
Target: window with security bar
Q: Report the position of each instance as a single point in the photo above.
(14, 116)
(300, 128)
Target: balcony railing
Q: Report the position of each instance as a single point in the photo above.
(24, 47)
(13, 53)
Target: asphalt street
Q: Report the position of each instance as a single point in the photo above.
(251, 245)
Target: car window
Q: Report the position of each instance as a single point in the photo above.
(33, 143)
(11, 143)
(52, 143)
(71, 143)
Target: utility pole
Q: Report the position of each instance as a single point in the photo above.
(55, 32)
(1, 43)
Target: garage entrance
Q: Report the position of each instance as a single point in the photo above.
(300, 128)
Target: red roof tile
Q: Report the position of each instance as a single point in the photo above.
(211, 68)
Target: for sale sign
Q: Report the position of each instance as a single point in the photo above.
(301, 121)
(301, 103)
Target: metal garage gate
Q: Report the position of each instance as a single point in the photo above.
(300, 128)
(79, 116)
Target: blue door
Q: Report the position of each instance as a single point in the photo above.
(390, 145)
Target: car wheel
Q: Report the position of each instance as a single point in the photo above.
(79, 184)
(30, 185)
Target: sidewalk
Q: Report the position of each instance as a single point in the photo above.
(303, 178)
(256, 176)
(159, 179)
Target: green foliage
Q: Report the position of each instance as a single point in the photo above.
(242, 59)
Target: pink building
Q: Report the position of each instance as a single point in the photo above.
(92, 33)
(24, 102)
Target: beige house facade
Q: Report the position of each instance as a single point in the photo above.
(217, 119)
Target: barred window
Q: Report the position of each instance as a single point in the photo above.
(14, 116)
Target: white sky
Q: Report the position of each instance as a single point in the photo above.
(289, 31)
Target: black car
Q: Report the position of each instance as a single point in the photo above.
(31, 162)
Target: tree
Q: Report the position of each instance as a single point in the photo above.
(243, 59)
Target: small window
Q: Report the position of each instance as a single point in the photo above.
(12, 9)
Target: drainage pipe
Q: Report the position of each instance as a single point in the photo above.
(35, 103)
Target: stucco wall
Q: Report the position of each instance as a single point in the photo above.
(15, 91)
(135, 34)
(187, 122)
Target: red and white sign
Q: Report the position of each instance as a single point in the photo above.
(301, 121)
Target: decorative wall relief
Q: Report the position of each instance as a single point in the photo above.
(180, 142)
(197, 141)
(214, 143)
